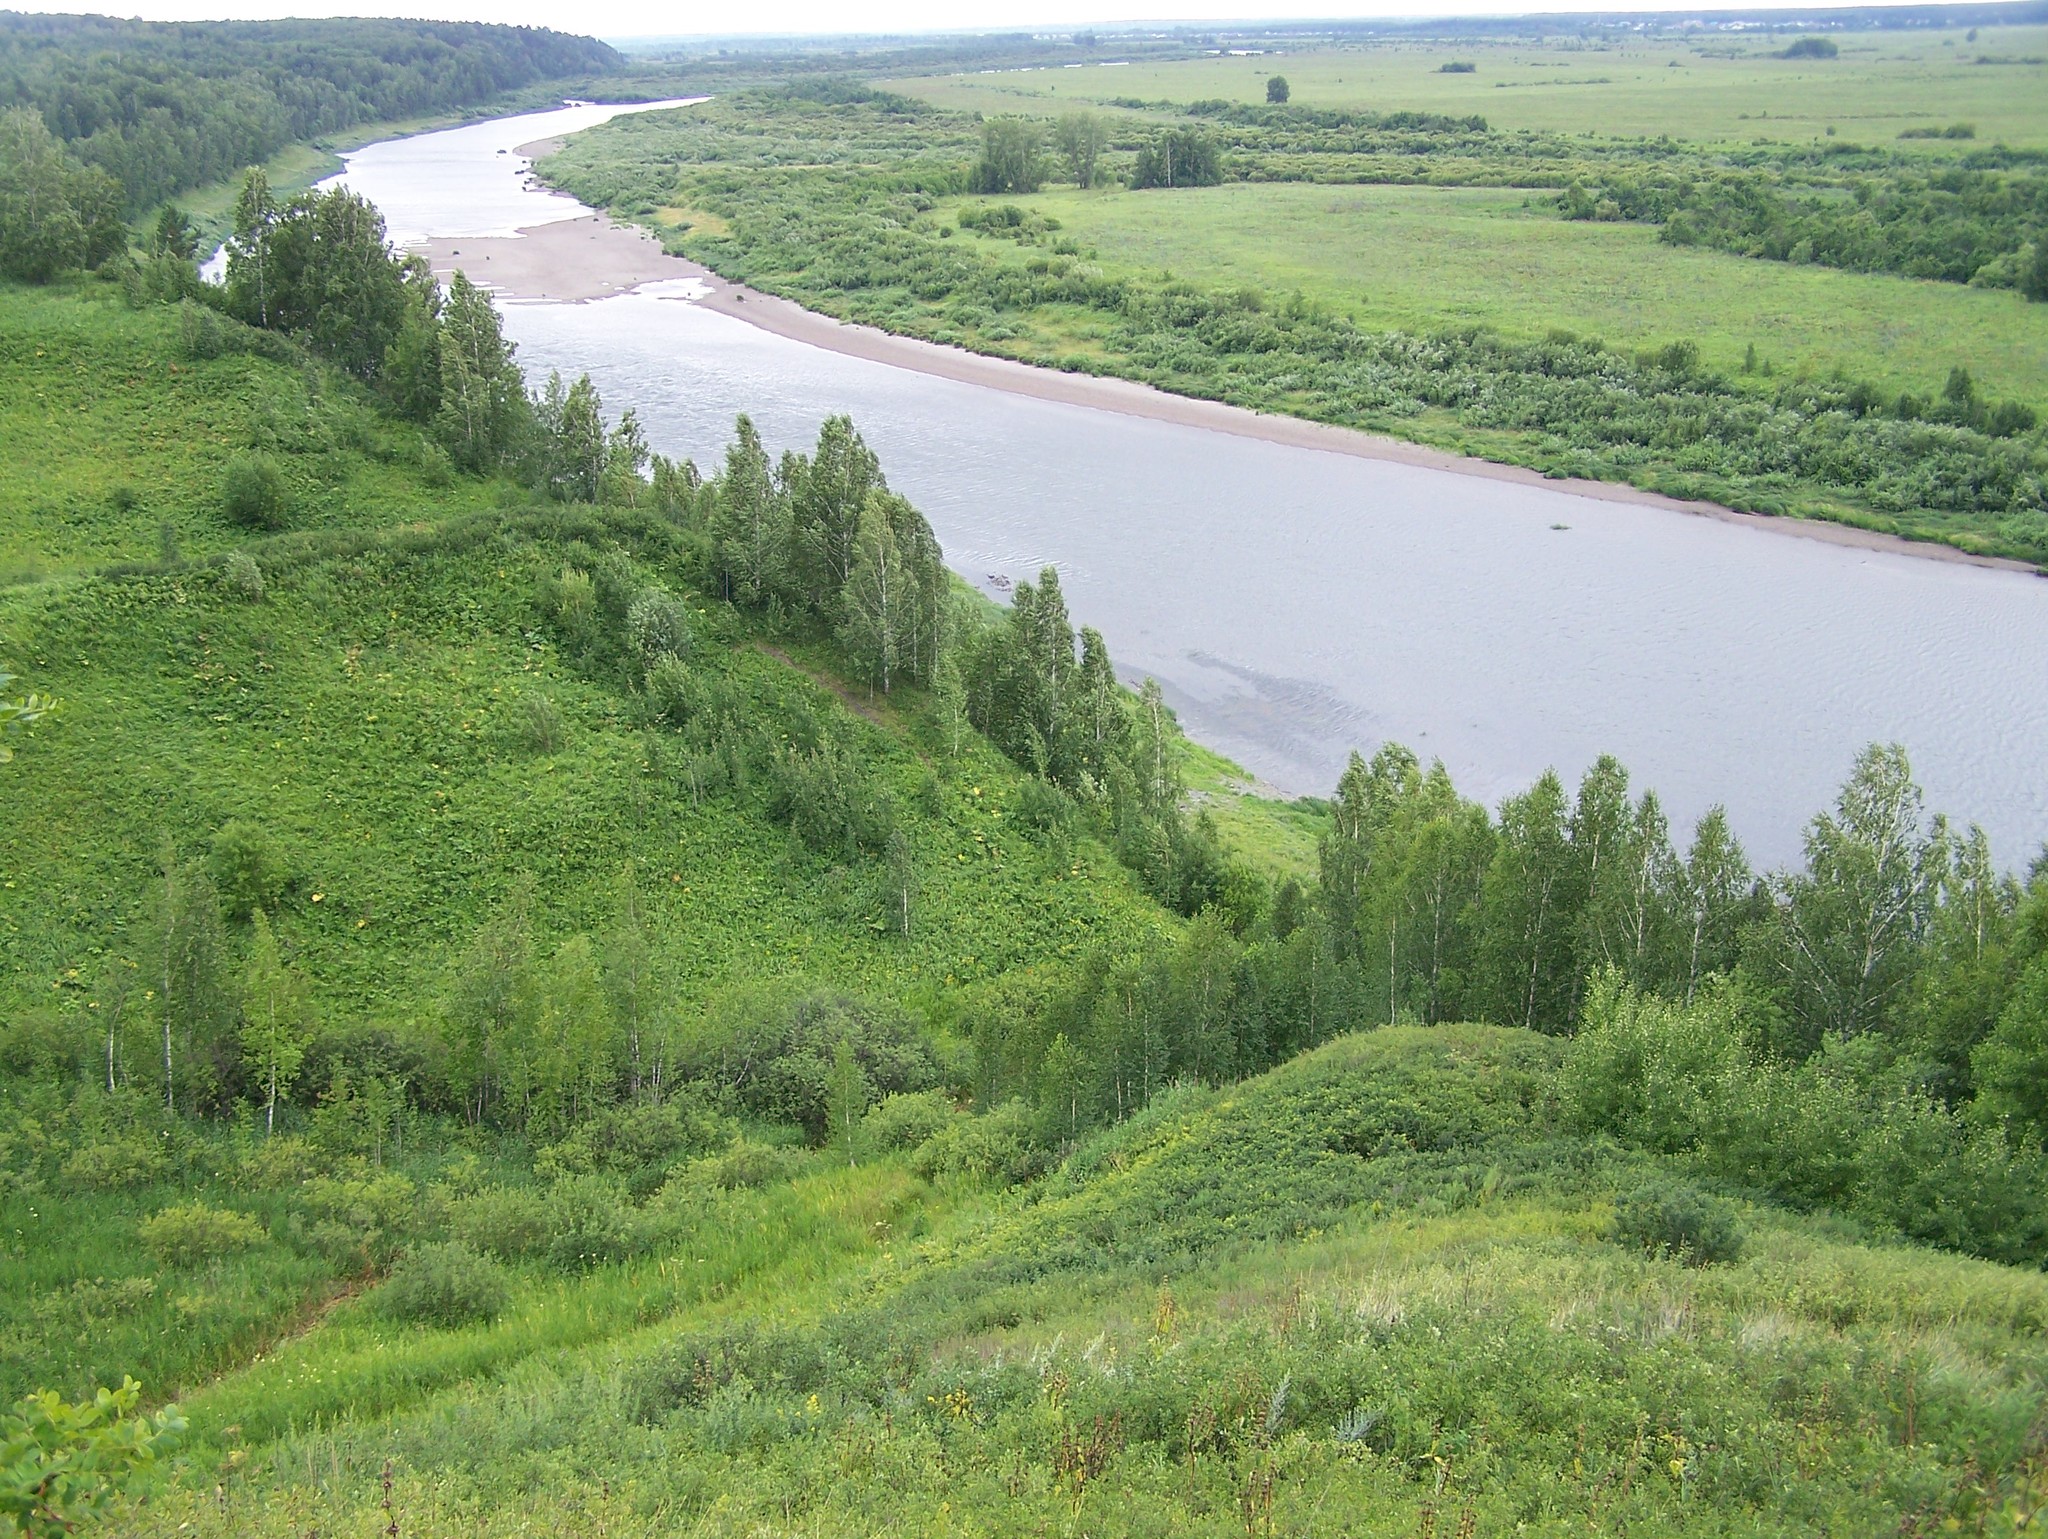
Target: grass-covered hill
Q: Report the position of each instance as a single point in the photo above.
(120, 425)
(1373, 1292)
(530, 1003)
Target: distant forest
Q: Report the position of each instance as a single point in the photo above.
(163, 107)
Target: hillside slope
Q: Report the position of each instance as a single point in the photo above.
(1370, 1292)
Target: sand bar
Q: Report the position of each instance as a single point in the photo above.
(577, 260)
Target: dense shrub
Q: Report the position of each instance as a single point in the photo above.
(590, 1223)
(769, 1051)
(444, 1283)
(906, 1121)
(357, 1217)
(994, 1149)
(115, 1164)
(1674, 1218)
(249, 870)
(513, 1223)
(253, 492)
(657, 628)
(638, 1143)
(748, 1164)
(193, 1233)
(242, 577)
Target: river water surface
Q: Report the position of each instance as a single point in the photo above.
(1296, 603)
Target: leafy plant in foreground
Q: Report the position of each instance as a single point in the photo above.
(63, 1464)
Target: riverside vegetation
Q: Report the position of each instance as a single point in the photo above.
(550, 990)
(1187, 251)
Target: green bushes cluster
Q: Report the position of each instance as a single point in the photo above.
(253, 492)
(1675, 1218)
(192, 1234)
(1843, 1131)
(444, 1283)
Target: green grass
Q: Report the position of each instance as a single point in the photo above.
(1717, 89)
(1426, 259)
(1374, 1287)
(115, 435)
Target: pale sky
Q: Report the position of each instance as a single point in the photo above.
(616, 20)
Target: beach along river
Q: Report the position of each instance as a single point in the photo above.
(1297, 603)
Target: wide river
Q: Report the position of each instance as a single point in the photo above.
(1296, 603)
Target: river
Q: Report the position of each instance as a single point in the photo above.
(1296, 603)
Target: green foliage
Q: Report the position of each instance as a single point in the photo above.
(999, 1148)
(242, 577)
(2011, 1064)
(169, 107)
(1011, 157)
(250, 872)
(446, 1284)
(54, 213)
(657, 629)
(1179, 157)
(1810, 48)
(907, 1120)
(192, 1234)
(1276, 90)
(253, 492)
(771, 1051)
(1675, 1218)
(18, 713)
(64, 1465)
(1841, 1131)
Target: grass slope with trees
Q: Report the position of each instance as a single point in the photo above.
(548, 989)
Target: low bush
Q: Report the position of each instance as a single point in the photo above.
(906, 1121)
(1673, 1218)
(250, 871)
(657, 627)
(115, 1164)
(994, 1149)
(747, 1164)
(253, 492)
(242, 577)
(193, 1233)
(444, 1283)
(591, 1224)
(508, 1222)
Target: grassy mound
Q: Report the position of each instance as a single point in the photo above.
(1373, 1290)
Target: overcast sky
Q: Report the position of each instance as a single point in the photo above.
(621, 19)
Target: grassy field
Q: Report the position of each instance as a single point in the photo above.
(1716, 89)
(1423, 259)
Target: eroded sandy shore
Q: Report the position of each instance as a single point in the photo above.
(589, 258)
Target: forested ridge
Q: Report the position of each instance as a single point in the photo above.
(550, 989)
(162, 107)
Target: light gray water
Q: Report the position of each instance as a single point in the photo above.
(1296, 604)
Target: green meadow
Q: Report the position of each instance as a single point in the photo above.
(1422, 259)
(1717, 88)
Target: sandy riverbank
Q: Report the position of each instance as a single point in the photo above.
(593, 258)
(571, 261)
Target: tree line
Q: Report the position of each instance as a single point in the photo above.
(161, 107)
(1866, 1032)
